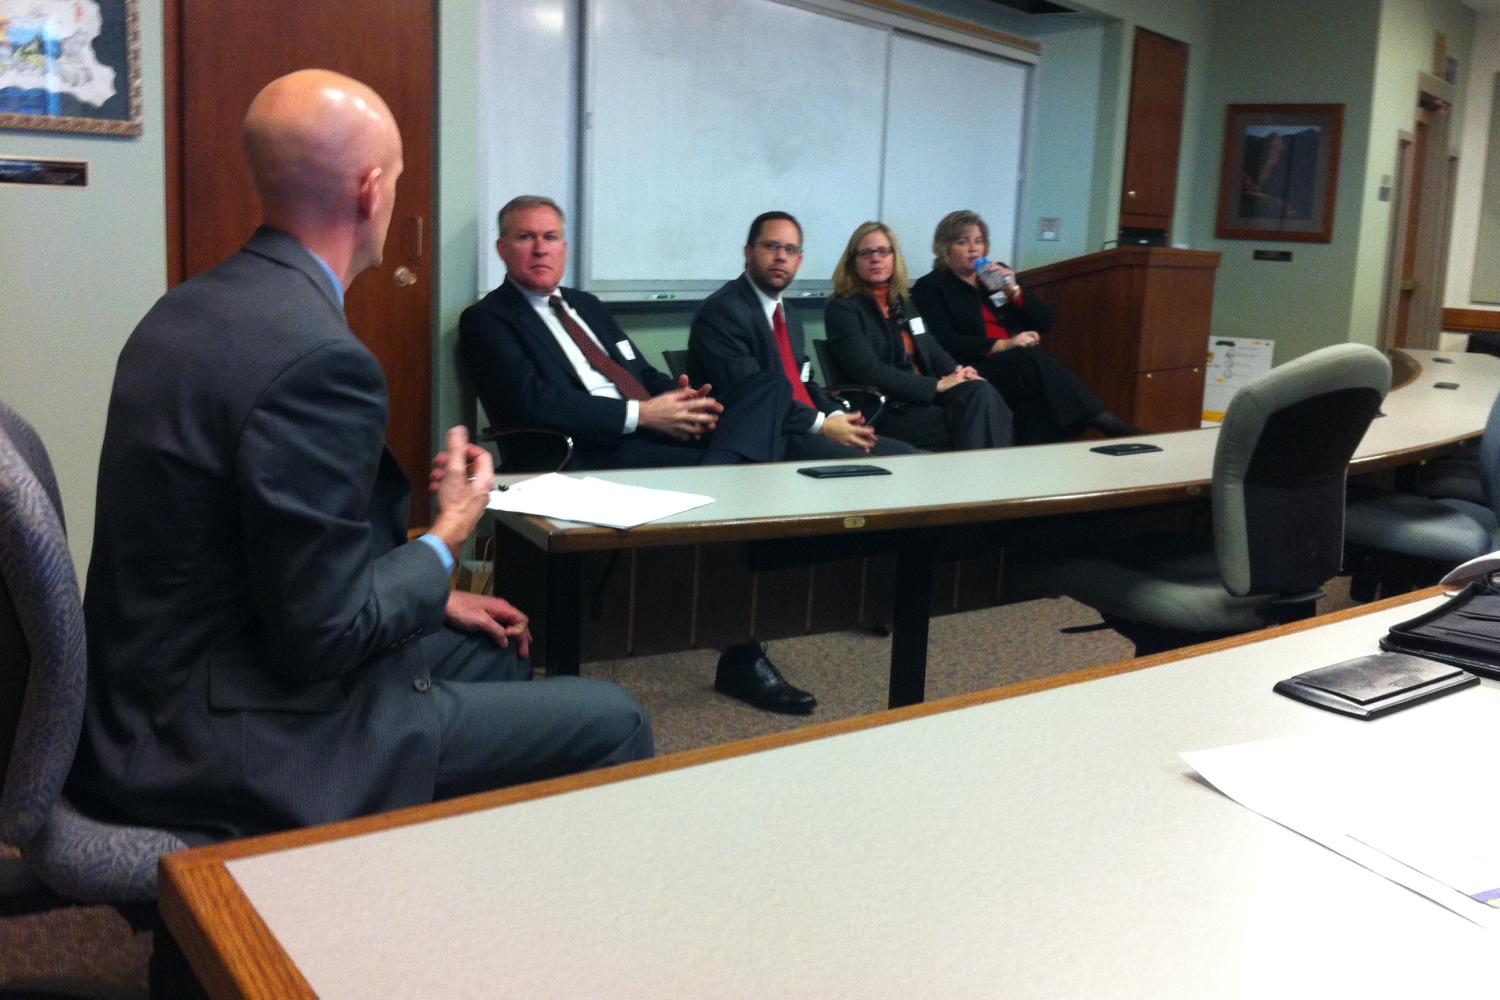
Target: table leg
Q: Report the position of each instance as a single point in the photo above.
(564, 612)
(913, 608)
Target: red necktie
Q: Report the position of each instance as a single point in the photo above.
(630, 387)
(788, 363)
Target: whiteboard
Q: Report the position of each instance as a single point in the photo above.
(664, 127)
(701, 114)
(528, 121)
(955, 127)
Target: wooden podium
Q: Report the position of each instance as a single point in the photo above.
(1133, 323)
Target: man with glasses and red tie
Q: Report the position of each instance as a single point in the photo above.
(742, 331)
(546, 356)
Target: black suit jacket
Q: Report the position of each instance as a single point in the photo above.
(953, 310)
(870, 351)
(731, 339)
(523, 376)
(251, 592)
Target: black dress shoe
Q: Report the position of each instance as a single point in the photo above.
(746, 674)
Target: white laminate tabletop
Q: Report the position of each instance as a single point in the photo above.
(1417, 416)
(1052, 845)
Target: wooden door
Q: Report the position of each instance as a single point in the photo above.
(219, 54)
(1158, 89)
(1413, 219)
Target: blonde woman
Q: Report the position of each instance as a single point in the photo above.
(878, 339)
(1002, 341)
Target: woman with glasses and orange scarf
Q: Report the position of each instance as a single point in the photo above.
(878, 339)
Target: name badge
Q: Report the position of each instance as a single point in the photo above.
(626, 351)
(806, 370)
(917, 326)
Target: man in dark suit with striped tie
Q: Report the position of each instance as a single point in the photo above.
(542, 355)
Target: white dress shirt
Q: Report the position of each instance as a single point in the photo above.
(594, 381)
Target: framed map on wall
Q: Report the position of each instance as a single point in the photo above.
(70, 66)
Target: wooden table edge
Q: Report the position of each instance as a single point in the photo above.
(236, 956)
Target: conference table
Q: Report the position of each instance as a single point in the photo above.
(1039, 840)
(927, 493)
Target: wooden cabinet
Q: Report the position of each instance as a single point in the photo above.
(1133, 323)
(1158, 87)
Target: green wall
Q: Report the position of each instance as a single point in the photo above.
(81, 266)
(1312, 293)
(1069, 94)
(1331, 292)
(1407, 30)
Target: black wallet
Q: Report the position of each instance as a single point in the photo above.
(842, 471)
(1128, 448)
(1367, 687)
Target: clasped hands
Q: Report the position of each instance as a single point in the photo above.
(683, 413)
(849, 428)
(963, 373)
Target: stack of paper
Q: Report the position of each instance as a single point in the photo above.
(593, 501)
(1413, 804)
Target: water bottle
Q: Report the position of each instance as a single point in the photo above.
(997, 285)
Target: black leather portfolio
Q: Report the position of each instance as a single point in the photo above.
(1464, 632)
(1371, 686)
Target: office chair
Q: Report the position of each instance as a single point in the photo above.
(43, 667)
(528, 449)
(676, 362)
(1278, 514)
(1399, 541)
(867, 399)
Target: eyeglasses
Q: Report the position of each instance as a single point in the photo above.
(880, 253)
(771, 247)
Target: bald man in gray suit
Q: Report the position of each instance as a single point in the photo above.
(266, 647)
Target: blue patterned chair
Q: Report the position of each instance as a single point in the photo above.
(43, 668)
(1399, 541)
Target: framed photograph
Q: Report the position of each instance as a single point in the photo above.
(1281, 172)
(71, 66)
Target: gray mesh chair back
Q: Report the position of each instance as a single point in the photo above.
(1281, 465)
(42, 686)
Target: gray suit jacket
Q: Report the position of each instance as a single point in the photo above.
(730, 340)
(251, 590)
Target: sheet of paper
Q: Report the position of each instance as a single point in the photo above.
(1414, 804)
(590, 500)
(1477, 568)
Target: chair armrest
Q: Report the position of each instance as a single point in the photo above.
(528, 449)
(867, 399)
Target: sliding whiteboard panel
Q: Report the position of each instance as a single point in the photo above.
(701, 114)
(528, 115)
(956, 125)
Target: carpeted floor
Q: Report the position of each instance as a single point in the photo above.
(848, 671)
